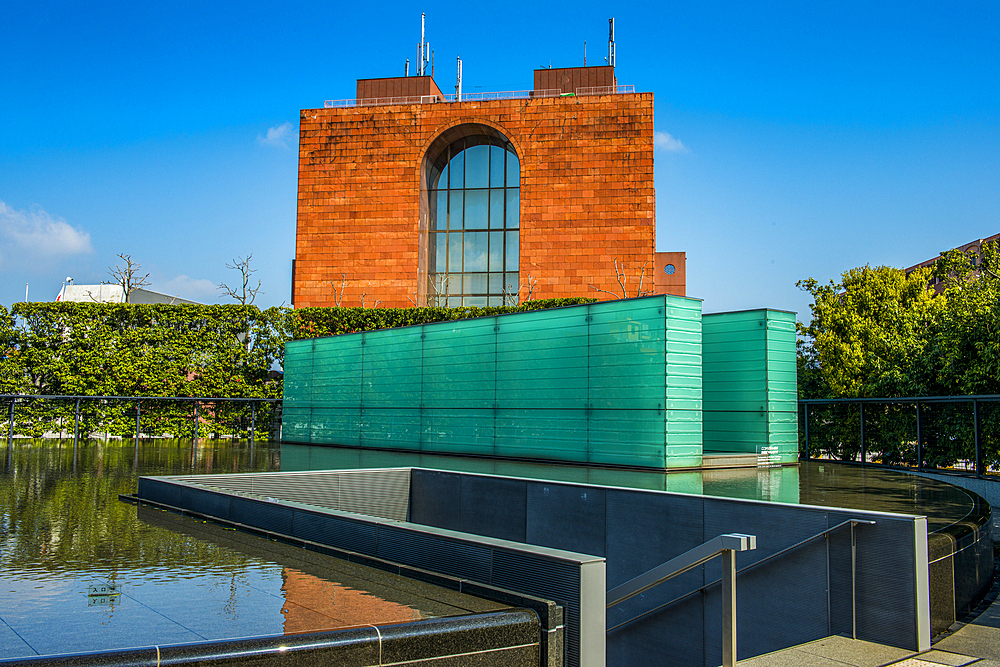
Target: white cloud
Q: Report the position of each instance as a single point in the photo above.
(35, 235)
(188, 288)
(277, 136)
(666, 141)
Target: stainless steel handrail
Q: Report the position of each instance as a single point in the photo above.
(681, 564)
(776, 554)
(724, 545)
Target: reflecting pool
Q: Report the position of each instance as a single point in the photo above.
(81, 570)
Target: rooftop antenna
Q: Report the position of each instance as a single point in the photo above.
(406, 72)
(611, 41)
(584, 53)
(458, 81)
(424, 49)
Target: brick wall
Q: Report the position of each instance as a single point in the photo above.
(586, 194)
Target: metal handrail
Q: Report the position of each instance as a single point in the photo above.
(903, 399)
(724, 545)
(206, 399)
(776, 554)
(14, 399)
(478, 97)
(678, 565)
(917, 402)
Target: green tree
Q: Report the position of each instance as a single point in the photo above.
(966, 351)
(869, 335)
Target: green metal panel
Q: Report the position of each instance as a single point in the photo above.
(750, 382)
(614, 382)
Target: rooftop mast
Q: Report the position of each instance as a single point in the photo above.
(611, 41)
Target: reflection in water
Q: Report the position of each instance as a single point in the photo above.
(312, 603)
(809, 483)
(778, 484)
(63, 530)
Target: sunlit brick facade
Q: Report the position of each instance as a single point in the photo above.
(366, 206)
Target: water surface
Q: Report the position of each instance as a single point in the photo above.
(66, 540)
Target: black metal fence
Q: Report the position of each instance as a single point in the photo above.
(954, 432)
(140, 417)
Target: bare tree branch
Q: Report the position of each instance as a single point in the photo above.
(364, 294)
(605, 291)
(244, 294)
(128, 276)
(337, 298)
(439, 287)
(642, 274)
(622, 277)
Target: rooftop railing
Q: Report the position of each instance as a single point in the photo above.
(478, 97)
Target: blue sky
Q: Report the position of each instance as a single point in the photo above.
(794, 139)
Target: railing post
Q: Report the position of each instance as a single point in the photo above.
(805, 410)
(196, 422)
(979, 449)
(854, 583)
(138, 409)
(76, 423)
(864, 455)
(920, 440)
(10, 429)
(253, 420)
(728, 608)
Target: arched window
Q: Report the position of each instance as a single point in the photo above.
(474, 203)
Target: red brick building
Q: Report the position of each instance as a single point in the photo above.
(972, 248)
(409, 196)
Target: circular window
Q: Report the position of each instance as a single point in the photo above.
(669, 269)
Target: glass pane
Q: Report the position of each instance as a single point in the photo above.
(437, 248)
(496, 301)
(513, 208)
(475, 301)
(439, 216)
(474, 283)
(454, 253)
(434, 178)
(442, 252)
(513, 250)
(513, 170)
(478, 285)
(475, 251)
(457, 208)
(442, 181)
(476, 203)
(496, 283)
(456, 171)
(510, 282)
(496, 253)
(496, 166)
(454, 301)
(477, 167)
(496, 209)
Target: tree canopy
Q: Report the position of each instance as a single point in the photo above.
(882, 333)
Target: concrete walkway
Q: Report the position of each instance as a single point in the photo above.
(976, 642)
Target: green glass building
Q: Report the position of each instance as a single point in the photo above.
(615, 382)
